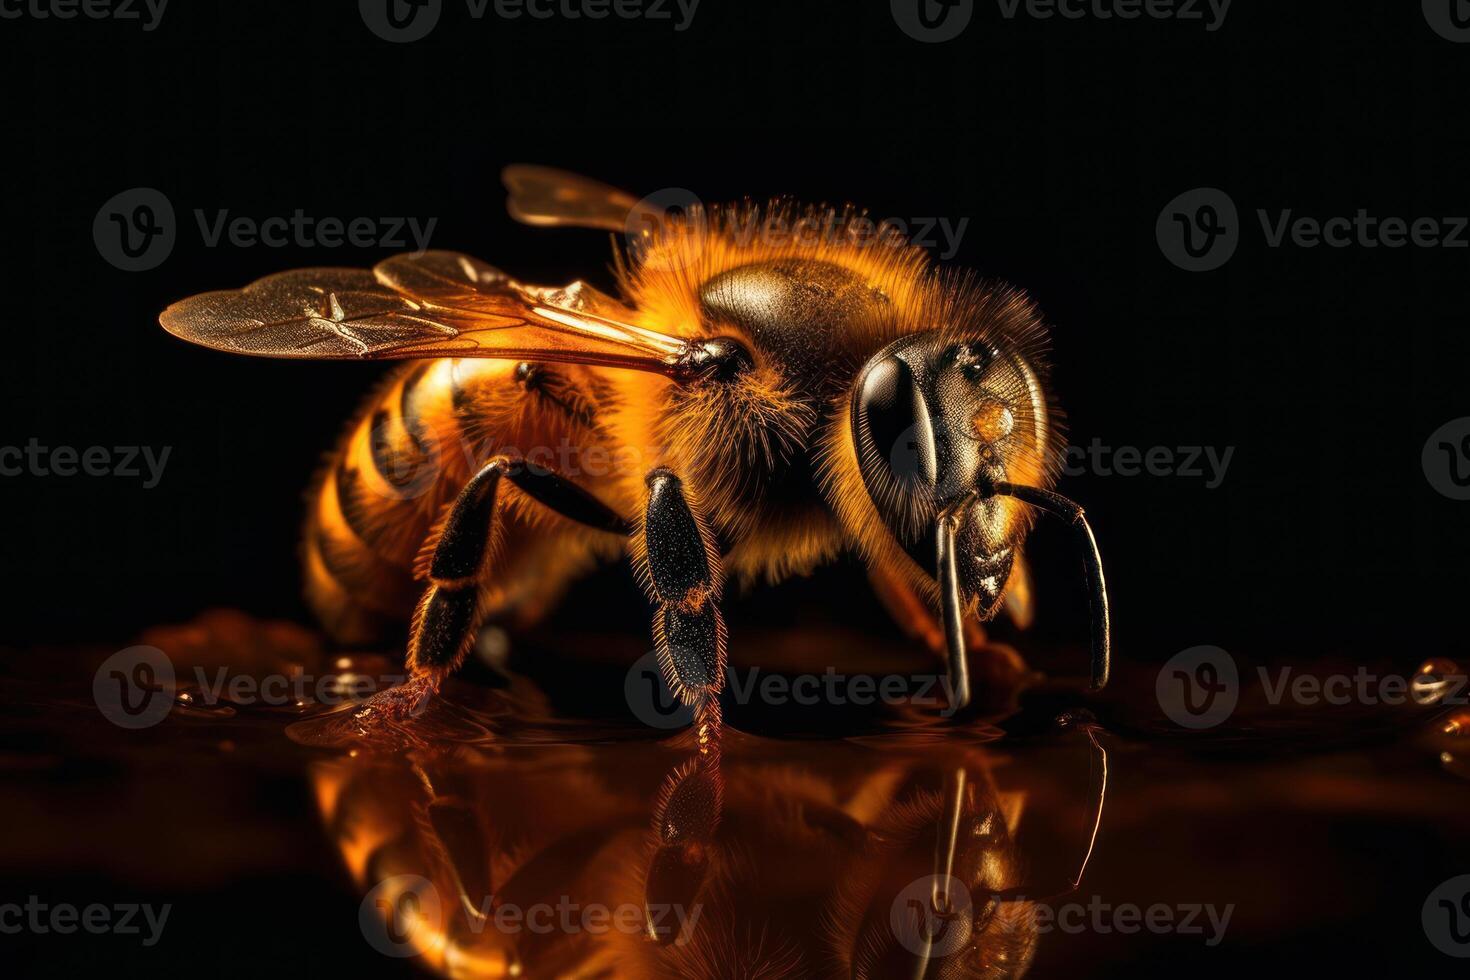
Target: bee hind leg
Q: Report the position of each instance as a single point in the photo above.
(448, 615)
(684, 582)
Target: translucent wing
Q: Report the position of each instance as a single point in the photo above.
(433, 304)
(556, 198)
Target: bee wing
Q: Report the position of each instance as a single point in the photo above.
(433, 304)
(556, 198)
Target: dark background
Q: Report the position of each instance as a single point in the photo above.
(1326, 369)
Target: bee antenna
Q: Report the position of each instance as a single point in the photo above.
(1069, 511)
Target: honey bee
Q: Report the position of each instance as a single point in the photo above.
(754, 404)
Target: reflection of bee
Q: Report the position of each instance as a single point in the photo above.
(758, 402)
(809, 859)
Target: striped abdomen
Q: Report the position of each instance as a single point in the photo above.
(424, 431)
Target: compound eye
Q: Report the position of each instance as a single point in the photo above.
(886, 412)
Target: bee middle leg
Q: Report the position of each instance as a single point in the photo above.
(449, 613)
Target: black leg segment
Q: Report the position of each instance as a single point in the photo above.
(683, 566)
(448, 615)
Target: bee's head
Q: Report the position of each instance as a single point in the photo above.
(939, 416)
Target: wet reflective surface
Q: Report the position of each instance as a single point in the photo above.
(499, 832)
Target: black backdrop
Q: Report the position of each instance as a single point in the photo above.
(1059, 140)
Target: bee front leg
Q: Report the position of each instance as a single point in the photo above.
(684, 583)
(998, 668)
(448, 615)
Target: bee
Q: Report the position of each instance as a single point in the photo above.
(774, 386)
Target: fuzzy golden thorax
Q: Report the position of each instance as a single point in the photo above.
(815, 294)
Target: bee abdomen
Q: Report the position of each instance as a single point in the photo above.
(401, 460)
(414, 444)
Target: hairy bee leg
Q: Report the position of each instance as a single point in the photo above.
(448, 614)
(688, 630)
